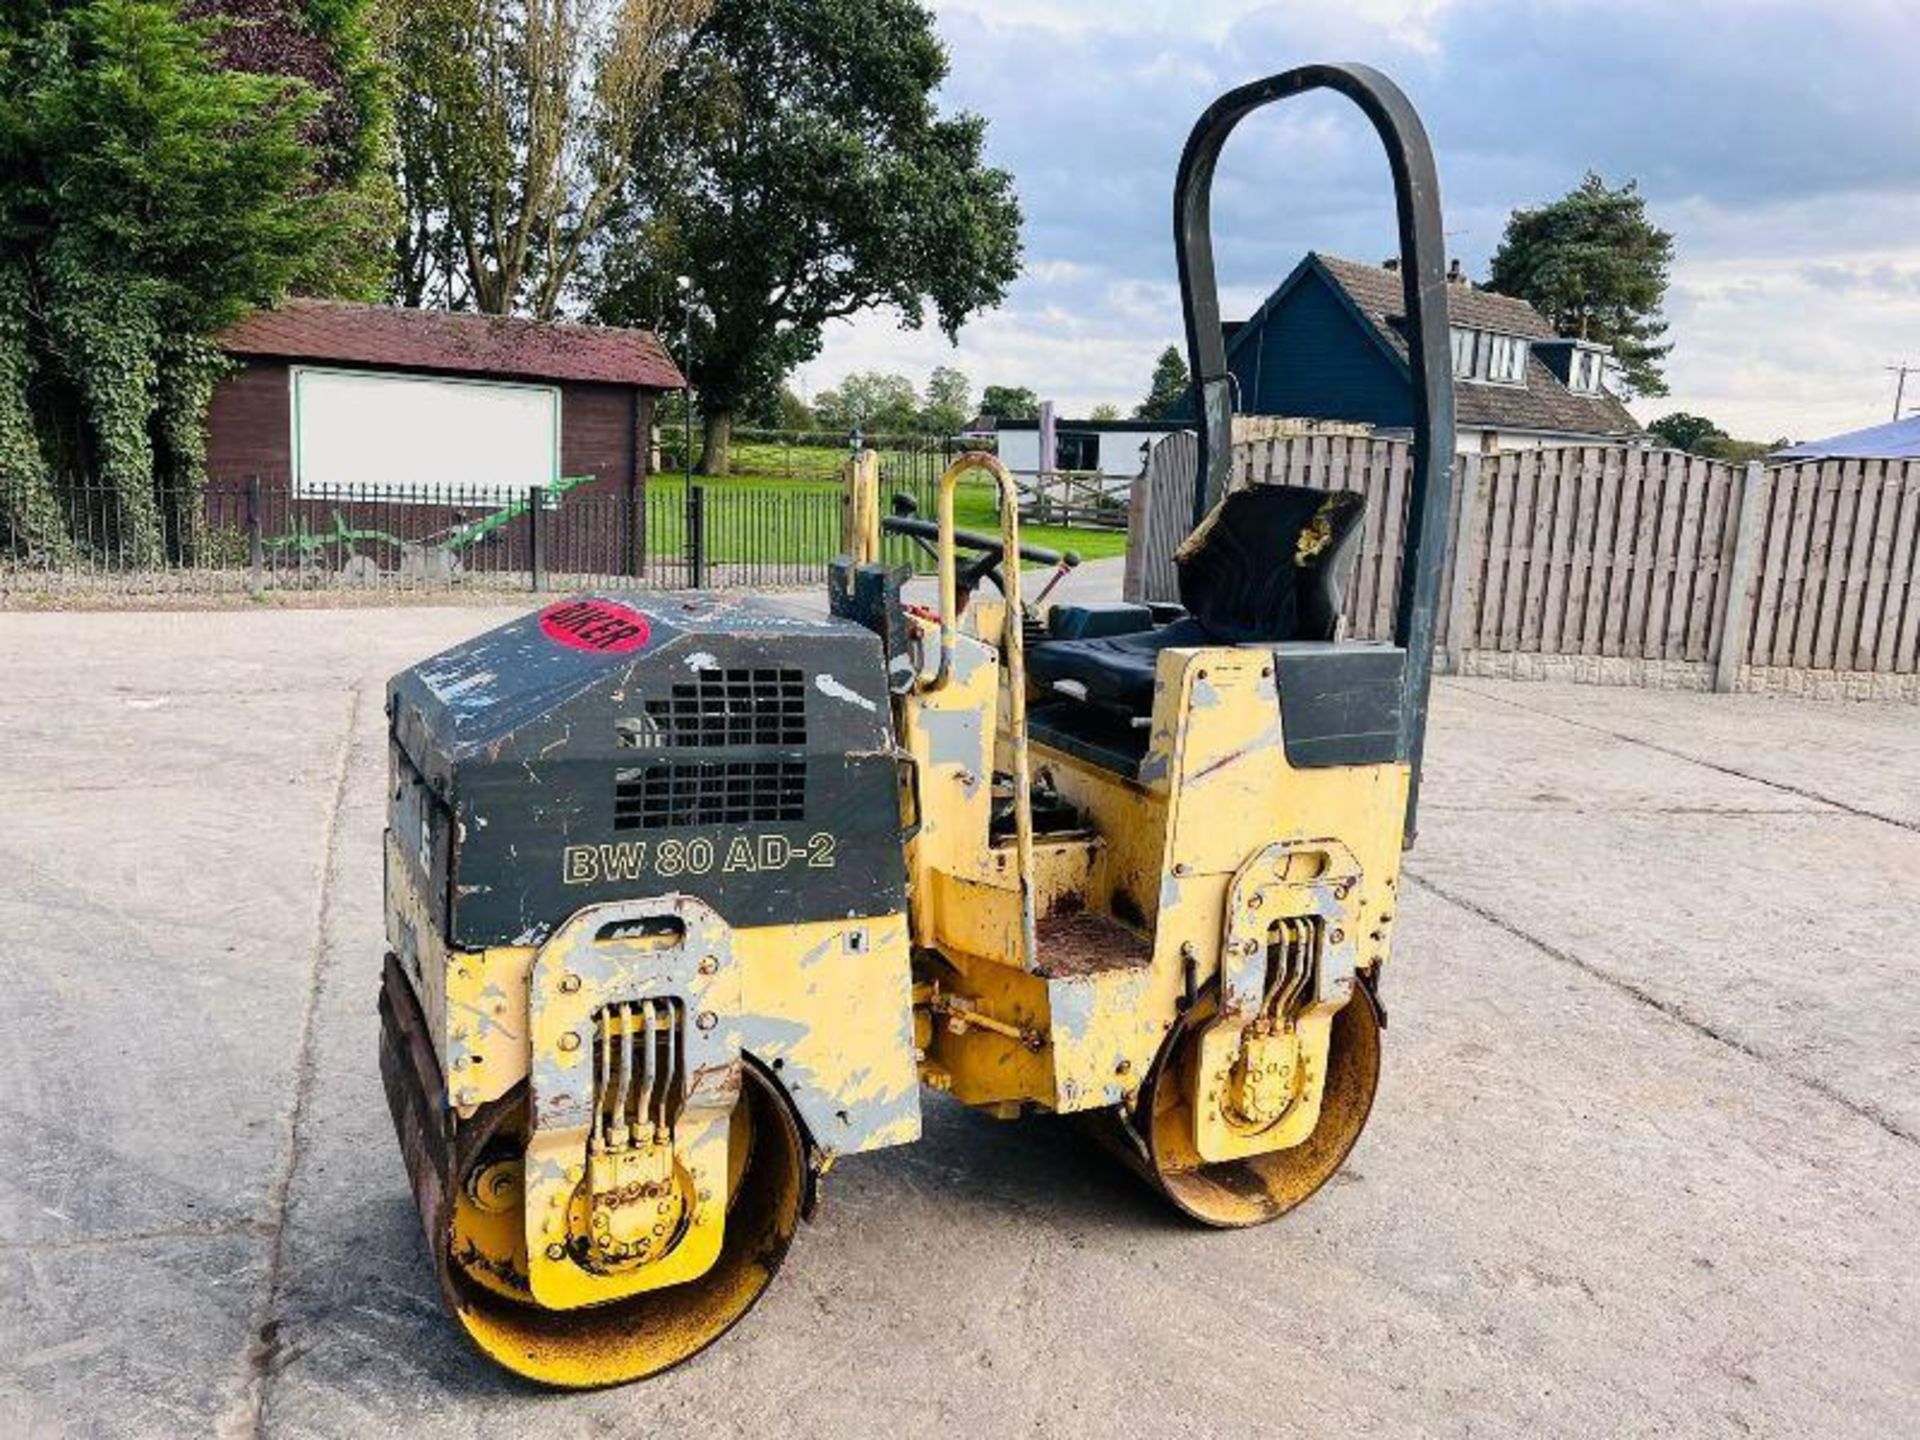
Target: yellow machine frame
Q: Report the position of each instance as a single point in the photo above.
(612, 1133)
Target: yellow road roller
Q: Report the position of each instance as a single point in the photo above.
(688, 897)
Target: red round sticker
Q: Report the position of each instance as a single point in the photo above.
(605, 627)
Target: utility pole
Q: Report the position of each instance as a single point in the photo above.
(1900, 385)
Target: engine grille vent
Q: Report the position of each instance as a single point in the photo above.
(710, 792)
(720, 708)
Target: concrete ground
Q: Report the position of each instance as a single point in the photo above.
(1646, 1157)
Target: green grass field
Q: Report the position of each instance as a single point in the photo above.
(764, 528)
(780, 505)
(751, 520)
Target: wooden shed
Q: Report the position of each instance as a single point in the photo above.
(331, 396)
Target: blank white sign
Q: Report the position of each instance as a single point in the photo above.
(478, 437)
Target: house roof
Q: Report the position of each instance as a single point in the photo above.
(455, 341)
(1543, 404)
(1896, 440)
(1377, 291)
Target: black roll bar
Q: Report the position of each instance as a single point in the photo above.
(1416, 196)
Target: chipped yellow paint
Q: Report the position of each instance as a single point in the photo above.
(648, 1332)
(622, 1196)
(985, 1066)
(826, 1007)
(860, 507)
(1240, 1109)
(950, 734)
(833, 1016)
(1214, 792)
(475, 1001)
(826, 1002)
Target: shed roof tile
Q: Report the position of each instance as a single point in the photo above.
(453, 341)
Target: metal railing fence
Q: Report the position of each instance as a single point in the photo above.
(260, 535)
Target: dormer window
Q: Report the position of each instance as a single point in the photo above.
(1588, 371)
(1462, 353)
(1483, 355)
(1506, 360)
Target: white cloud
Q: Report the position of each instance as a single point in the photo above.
(1210, 18)
(1783, 347)
(1778, 139)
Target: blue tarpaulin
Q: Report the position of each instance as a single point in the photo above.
(1897, 440)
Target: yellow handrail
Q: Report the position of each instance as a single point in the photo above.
(1013, 657)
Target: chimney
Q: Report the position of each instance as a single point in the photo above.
(1392, 262)
(1455, 275)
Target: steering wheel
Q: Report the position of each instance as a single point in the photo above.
(988, 551)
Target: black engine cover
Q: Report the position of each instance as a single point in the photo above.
(623, 745)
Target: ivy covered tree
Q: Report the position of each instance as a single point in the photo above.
(1595, 266)
(801, 173)
(335, 48)
(156, 189)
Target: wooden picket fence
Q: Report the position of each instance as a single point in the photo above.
(1655, 564)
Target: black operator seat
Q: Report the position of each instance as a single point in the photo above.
(1269, 564)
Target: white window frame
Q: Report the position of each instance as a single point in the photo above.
(1465, 347)
(1589, 371)
(1506, 360)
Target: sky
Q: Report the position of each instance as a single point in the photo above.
(1779, 140)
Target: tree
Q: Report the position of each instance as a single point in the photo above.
(1104, 411)
(1009, 402)
(1168, 388)
(331, 46)
(878, 404)
(1698, 435)
(154, 194)
(1681, 431)
(793, 412)
(1596, 267)
(949, 401)
(806, 176)
(517, 124)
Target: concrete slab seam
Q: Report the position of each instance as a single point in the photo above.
(1669, 1009)
(1668, 750)
(214, 1230)
(248, 1414)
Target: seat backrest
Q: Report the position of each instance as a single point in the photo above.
(1271, 563)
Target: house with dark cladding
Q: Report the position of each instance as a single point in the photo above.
(1330, 344)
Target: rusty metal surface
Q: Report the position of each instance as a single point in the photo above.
(1085, 942)
(608, 1344)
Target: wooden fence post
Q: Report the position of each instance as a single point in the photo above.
(1746, 555)
(1466, 559)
